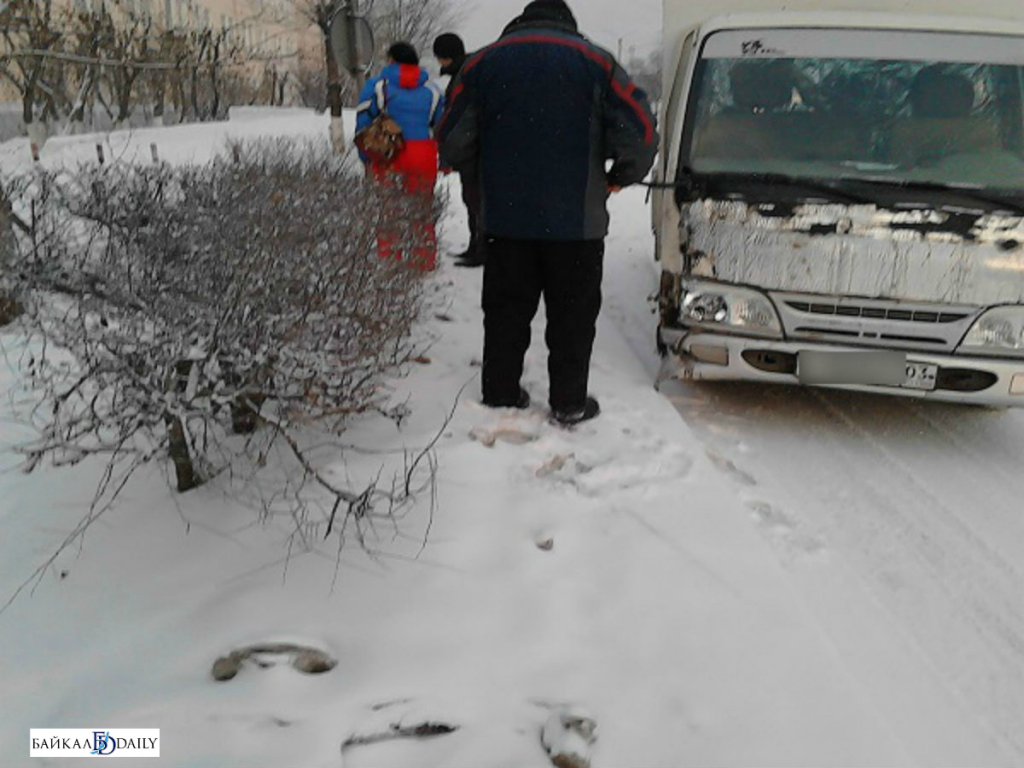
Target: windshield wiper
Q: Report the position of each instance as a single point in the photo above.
(997, 203)
(807, 186)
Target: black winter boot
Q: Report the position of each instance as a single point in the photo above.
(590, 409)
(522, 402)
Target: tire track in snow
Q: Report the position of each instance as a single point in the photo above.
(849, 480)
(982, 587)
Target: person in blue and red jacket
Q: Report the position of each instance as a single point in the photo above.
(541, 112)
(405, 92)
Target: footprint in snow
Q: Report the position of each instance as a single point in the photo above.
(725, 465)
(399, 719)
(599, 475)
(568, 734)
(310, 661)
(513, 427)
(255, 722)
(568, 737)
(784, 531)
(769, 517)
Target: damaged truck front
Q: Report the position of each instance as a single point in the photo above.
(844, 201)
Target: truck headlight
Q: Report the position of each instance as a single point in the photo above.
(729, 307)
(999, 331)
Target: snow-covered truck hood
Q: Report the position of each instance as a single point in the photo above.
(917, 255)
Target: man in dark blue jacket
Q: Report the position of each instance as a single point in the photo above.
(541, 111)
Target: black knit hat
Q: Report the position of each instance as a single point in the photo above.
(404, 53)
(547, 10)
(449, 46)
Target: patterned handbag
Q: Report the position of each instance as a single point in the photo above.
(382, 139)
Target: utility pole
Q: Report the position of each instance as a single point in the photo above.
(354, 68)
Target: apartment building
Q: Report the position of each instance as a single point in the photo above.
(263, 28)
(264, 32)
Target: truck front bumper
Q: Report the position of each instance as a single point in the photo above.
(701, 355)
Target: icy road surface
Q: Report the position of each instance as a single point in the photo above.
(901, 523)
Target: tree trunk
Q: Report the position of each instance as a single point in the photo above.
(37, 133)
(159, 103)
(334, 96)
(28, 98)
(282, 89)
(193, 93)
(9, 306)
(177, 449)
(215, 83)
(27, 108)
(124, 100)
(76, 120)
(181, 97)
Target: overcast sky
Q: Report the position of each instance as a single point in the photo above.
(637, 22)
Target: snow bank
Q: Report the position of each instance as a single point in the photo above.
(195, 142)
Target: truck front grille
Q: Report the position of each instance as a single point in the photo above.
(874, 322)
(878, 313)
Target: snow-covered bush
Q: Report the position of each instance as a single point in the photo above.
(216, 314)
(10, 308)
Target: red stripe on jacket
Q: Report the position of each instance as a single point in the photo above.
(626, 94)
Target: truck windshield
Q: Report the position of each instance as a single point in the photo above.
(917, 110)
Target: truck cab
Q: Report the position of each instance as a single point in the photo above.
(842, 198)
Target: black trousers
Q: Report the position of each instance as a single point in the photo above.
(471, 197)
(516, 275)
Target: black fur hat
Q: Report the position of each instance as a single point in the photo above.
(404, 53)
(449, 46)
(547, 10)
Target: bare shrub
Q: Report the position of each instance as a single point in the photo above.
(10, 307)
(231, 317)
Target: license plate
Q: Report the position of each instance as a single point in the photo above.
(884, 369)
(874, 368)
(921, 376)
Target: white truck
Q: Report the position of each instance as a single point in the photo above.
(841, 195)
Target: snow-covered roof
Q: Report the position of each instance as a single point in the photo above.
(981, 16)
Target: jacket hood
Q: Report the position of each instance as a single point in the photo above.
(551, 14)
(404, 76)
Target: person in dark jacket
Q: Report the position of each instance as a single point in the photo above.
(450, 52)
(405, 92)
(541, 111)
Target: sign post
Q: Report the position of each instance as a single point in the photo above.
(352, 43)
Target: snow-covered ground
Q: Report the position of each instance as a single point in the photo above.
(716, 575)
